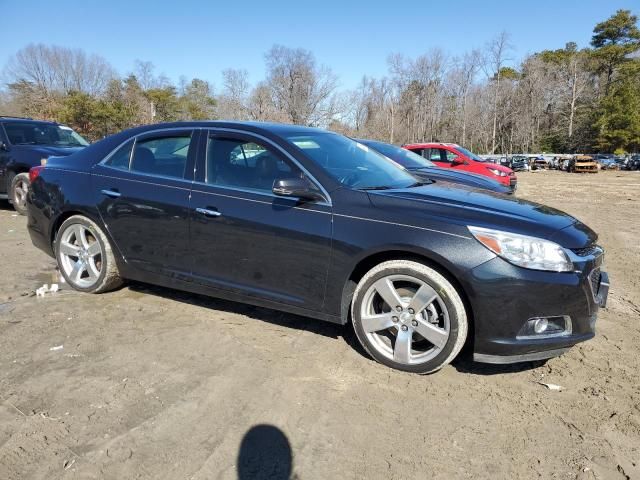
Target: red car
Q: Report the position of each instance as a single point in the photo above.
(450, 155)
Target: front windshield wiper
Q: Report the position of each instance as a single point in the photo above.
(378, 187)
(421, 183)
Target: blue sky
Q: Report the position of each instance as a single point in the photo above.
(201, 38)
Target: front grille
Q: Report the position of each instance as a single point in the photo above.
(594, 278)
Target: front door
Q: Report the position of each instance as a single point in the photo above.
(247, 240)
(142, 195)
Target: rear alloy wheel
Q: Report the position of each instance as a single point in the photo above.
(18, 192)
(85, 257)
(409, 317)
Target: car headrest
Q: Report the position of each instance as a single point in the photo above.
(143, 160)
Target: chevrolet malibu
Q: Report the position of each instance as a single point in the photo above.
(313, 223)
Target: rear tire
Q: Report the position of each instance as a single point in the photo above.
(408, 316)
(18, 189)
(85, 257)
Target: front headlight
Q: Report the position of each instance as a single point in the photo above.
(497, 172)
(524, 251)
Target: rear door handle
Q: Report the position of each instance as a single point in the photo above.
(207, 212)
(110, 193)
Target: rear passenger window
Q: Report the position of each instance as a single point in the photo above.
(120, 159)
(165, 156)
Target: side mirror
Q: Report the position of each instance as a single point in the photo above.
(296, 187)
(4, 146)
(457, 160)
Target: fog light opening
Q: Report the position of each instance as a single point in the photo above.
(540, 325)
(545, 327)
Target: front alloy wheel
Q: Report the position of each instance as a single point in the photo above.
(408, 316)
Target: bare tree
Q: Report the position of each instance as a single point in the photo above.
(59, 70)
(232, 103)
(497, 55)
(300, 89)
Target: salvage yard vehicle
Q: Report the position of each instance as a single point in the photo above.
(25, 143)
(426, 170)
(311, 222)
(450, 155)
(633, 163)
(539, 163)
(519, 163)
(582, 164)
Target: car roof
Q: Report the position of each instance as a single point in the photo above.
(26, 120)
(426, 144)
(258, 127)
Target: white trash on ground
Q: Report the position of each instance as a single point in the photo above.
(552, 386)
(40, 292)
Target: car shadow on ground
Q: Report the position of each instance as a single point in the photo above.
(274, 317)
(463, 363)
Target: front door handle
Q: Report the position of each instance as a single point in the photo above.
(207, 212)
(110, 193)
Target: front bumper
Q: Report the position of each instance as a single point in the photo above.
(505, 297)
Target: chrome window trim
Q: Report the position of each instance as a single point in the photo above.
(135, 141)
(258, 201)
(247, 190)
(273, 145)
(190, 189)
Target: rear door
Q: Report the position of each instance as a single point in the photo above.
(247, 240)
(143, 197)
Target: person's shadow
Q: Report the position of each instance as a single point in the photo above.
(265, 452)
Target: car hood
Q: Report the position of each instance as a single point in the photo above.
(57, 151)
(47, 150)
(464, 178)
(460, 205)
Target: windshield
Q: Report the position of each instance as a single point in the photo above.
(37, 133)
(351, 163)
(404, 157)
(470, 154)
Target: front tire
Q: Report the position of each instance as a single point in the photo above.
(85, 257)
(408, 316)
(18, 189)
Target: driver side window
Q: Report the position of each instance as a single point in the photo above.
(245, 164)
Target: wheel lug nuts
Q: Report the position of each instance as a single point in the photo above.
(411, 311)
(404, 328)
(414, 323)
(395, 319)
(399, 308)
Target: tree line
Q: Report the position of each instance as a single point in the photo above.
(563, 100)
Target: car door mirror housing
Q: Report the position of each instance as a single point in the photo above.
(4, 146)
(296, 187)
(457, 160)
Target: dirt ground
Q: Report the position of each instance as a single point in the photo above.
(144, 382)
